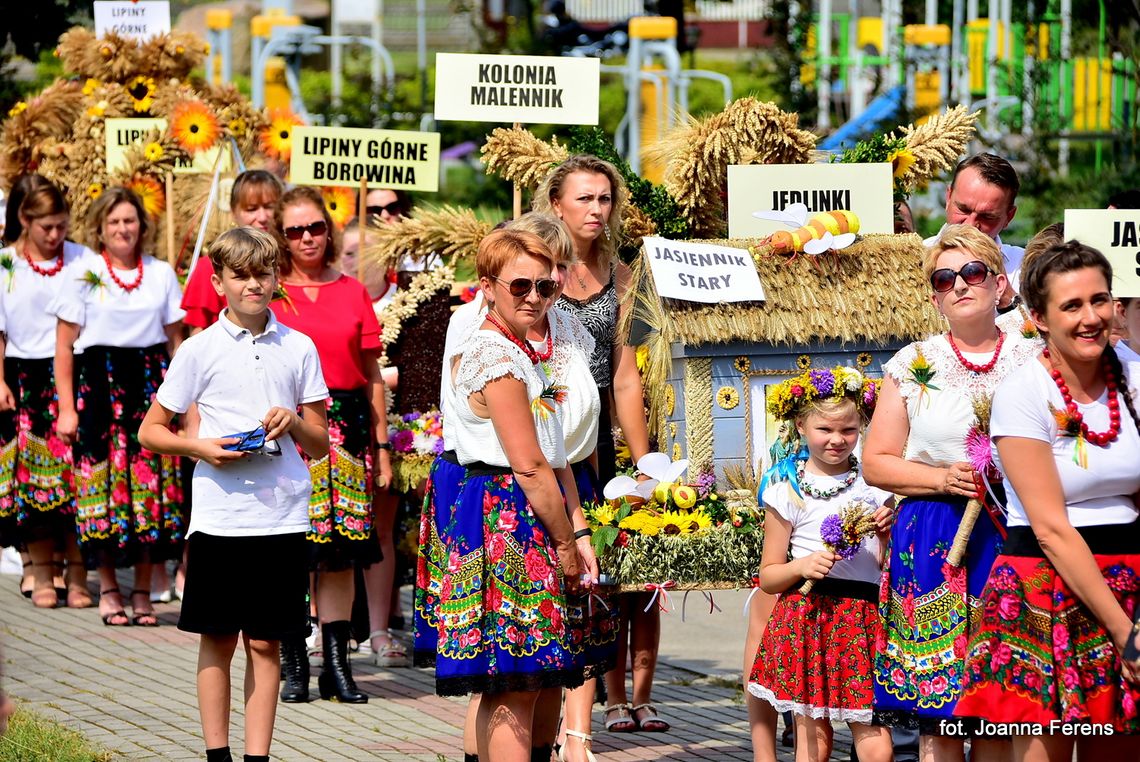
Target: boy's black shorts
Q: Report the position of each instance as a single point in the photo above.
(254, 585)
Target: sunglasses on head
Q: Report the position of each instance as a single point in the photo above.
(394, 209)
(973, 273)
(520, 287)
(314, 229)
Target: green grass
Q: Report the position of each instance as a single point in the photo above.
(32, 737)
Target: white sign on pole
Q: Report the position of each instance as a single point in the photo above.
(1116, 234)
(701, 272)
(526, 89)
(865, 189)
(356, 11)
(135, 20)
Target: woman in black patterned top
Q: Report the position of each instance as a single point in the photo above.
(589, 196)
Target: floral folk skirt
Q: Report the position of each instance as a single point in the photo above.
(340, 507)
(596, 616)
(442, 489)
(504, 622)
(1039, 654)
(36, 485)
(128, 499)
(929, 611)
(817, 652)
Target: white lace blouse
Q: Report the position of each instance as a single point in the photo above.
(488, 356)
(941, 411)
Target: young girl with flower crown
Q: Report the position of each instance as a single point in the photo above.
(817, 651)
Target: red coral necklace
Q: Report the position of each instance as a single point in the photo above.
(1099, 438)
(128, 287)
(535, 357)
(47, 272)
(974, 366)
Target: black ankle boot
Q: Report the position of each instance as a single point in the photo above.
(336, 678)
(220, 754)
(295, 665)
(256, 758)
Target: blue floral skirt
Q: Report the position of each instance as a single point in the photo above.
(442, 489)
(929, 611)
(504, 623)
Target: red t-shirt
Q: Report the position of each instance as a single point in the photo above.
(340, 321)
(200, 300)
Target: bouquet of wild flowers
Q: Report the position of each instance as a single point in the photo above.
(416, 439)
(843, 533)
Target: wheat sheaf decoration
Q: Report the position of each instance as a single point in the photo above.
(448, 231)
(516, 155)
(936, 145)
(697, 155)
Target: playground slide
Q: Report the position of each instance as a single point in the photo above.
(885, 108)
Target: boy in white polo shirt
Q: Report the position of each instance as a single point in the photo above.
(247, 566)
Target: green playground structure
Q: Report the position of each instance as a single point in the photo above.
(1025, 77)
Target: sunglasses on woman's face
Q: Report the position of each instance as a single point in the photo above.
(520, 287)
(314, 229)
(973, 273)
(393, 209)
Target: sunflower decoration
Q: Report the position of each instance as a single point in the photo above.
(150, 192)
(276, 140)
(195, 126)
(863, 359)
(742, 364)
(94, 190)
(803, 362)
(90, 85)
(142, 90)
(727, 397)
(339, 201)
(153, 151)
(901, 161)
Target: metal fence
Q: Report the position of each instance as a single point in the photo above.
(609, 11)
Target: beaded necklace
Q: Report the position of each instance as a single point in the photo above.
(1098, 438)
(532, 355)
(986, 368)
(118, 282)
(47, 272)
(830, 492)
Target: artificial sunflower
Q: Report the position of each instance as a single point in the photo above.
(276, 140)
(237, 126)
(863, 359)
(19, 108)
(901, 162)
(742, 364)
(90, 85)
(142, 89)
(674, 522)
(340, 202)
(641, 522)
(727, 397)
(94, 190)
(153, 152)
(699, 521)
(803, 362)
(195, 126)
(642, 357)
(150, 192)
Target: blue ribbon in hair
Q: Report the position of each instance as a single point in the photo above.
(782, 470)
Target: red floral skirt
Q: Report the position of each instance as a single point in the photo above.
(818, 650)
(1039, 655)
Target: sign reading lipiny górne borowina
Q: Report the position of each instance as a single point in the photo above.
(526, 89)
(1116, 234)
(381, 158)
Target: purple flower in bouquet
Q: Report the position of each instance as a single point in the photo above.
(823, 381)
(869, 395)
(831, 530)
(705, 483)
(979, 452)
(439, 446)
(409, 417)
(402, 441)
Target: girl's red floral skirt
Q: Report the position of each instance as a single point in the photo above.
(1039, 655)
(818, 650)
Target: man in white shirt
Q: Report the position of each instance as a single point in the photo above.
(983, 193)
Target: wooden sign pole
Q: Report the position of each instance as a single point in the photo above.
(171, 254)
(518, 190)
(362, 230)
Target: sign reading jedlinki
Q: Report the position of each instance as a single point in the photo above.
(525, 89)
(701, 272)
(347, 156)
(1116, 234)
(865, 189)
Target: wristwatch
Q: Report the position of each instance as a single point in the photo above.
(383, 445)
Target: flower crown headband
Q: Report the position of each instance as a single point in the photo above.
(788, 399)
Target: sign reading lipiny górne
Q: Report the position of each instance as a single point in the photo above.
(865, 189)
(381, 158)
(526, 89)
(133, 20)
(1116, 234)
(121, 134)
(701, 272)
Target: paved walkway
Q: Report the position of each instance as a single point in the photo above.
(131, 690)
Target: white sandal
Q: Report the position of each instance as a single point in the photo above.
(391, 655)
(586, 739)
(623, 716)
